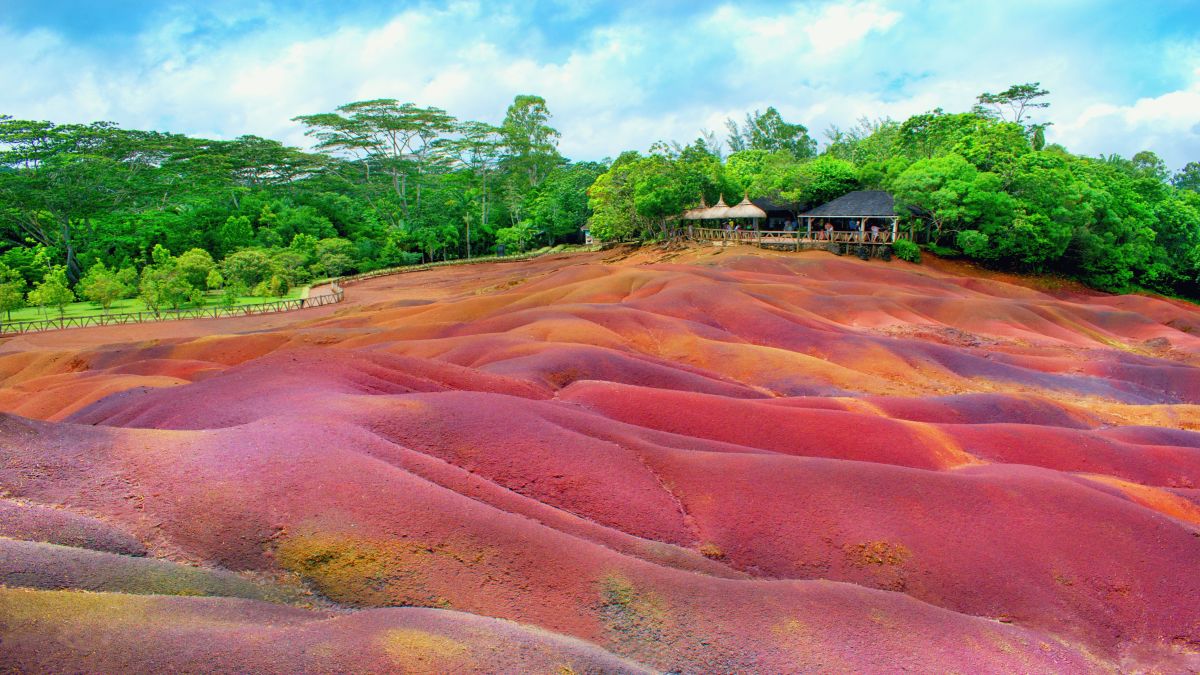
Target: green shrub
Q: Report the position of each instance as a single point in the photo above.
(906, 250)
(974, 244)
(942, 251)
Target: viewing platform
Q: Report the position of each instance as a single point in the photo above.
(838, 241)
(862, 222)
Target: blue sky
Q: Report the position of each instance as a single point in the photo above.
(1123, 76)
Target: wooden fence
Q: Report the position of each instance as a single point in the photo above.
(797, 239)
(58, 323)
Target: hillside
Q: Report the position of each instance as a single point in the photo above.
(695, 460)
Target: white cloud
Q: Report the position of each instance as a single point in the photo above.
(616, 86)
(1168, 124)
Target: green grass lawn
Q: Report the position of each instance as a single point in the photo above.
(132, 305)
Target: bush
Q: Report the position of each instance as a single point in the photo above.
(942, 251)
(906, 250)
(974, 244)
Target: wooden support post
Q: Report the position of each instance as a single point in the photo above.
(895, 224)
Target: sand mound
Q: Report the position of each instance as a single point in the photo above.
(709, 461)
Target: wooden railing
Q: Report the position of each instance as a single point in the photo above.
(58, 323)
(796, 237)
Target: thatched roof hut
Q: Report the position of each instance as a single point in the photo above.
(745, 209)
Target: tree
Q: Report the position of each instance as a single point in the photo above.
(397, 139)
(516, 238)
(1188, 178)
(102, 286)
(235, 233)
(934, 133)
(1149, 165)
(53, 291)
(936, 189)
(247, 268)
(767, 131)
(530, 142)
(12, 290)
(821, 180)
(610, 198)
(334, 256)
(559, 205)
(165, 282)
(868, 141)
(214, 281)
(195, 266)
(530, 147)
(1014, 103)
(477, 149)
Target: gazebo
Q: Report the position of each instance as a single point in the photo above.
(851, 215)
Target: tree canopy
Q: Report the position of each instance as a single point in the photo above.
(103, 212)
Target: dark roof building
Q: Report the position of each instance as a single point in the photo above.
(858, 204)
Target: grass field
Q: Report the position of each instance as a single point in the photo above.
(131, 305)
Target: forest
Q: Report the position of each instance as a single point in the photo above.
(99, 213)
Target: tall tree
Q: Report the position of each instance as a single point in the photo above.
(529, 140)
(530, 151)
(477, 149)
(1013, 104)
(397, 139)
(768, 131)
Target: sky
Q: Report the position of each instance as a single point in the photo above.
(1123, 76)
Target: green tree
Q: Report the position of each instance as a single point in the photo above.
(821, 180)
(195, 265)
(477, 150)
(102, 286)
(53, 291)
(1188, 178)
(396, 140)
(236, 233)
(559, 206)
(516, 239)
(12, 290)
(530, 143)
(247, 268)
(610, 198)
(165, 283)
(1015, 103)
(164, 286)
(936, 189)
(214, 281)
(768, 131)
(334, 256)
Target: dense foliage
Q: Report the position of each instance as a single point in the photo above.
(100, 213)
(113, 213)
(980, 184)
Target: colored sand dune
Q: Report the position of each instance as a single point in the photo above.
(632, 461)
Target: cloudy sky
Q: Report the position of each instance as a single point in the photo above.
(1123, 76)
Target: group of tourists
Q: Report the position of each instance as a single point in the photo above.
(824, 230)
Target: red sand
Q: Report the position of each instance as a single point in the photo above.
(695, 461)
